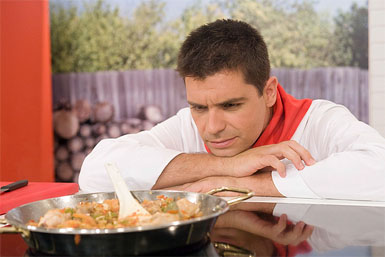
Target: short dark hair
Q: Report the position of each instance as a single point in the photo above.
(225, 45)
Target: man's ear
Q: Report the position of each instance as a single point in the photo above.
(270, 91)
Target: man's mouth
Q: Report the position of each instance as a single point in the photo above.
(222, 143)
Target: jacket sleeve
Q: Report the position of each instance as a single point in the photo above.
(140, 157)
(350, 158)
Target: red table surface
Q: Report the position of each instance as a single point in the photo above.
(34, 191)
(12, 245)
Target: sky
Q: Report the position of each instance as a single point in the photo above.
(175, 7)
(334, 5)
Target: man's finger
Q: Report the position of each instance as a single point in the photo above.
(307, 232)
(179, 187)
(293, 235)
(280, 226)
(292, 155)
(298, 228)
(271, 160)
(302, 152)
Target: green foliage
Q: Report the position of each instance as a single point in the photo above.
(197, 15)
(174, 32)
(99, 38)
(141, 42)
(350, 38)
(63, 30)
(295, 34)
(86, 42)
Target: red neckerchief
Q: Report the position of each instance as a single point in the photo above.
(291, 250)
(288, 113)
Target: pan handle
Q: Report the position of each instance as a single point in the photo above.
(3, 221)
(247, 194)
(226, 249)
(9, 229)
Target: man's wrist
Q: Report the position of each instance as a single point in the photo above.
(224, 166)
(260, 183)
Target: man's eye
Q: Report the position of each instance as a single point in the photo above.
(231, 105)
(198, 108)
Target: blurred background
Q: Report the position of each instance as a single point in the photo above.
(113, 61)
(75, 72)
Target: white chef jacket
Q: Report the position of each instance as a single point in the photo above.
(350, 156)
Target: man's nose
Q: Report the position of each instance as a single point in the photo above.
(215, 122)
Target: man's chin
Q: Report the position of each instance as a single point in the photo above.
(224, 152)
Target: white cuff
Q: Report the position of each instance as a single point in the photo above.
(294, 212)
(292, 185)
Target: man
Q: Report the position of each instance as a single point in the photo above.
(243, 130)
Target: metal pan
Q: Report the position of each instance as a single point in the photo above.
(122, 241)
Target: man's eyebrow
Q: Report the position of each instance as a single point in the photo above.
(194, 104)
(231, 100)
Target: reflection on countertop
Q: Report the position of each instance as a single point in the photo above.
(288, 229)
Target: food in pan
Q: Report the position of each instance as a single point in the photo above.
(93, 215)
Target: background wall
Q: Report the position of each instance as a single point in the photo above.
(377, 75)
(377, 65)
(129, 91)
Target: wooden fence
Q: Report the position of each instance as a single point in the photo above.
(129, 90)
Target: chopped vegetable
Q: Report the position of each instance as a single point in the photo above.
(92, 215)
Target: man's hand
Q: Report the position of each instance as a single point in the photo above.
(252, 160)
(260, 183)
(279, 231)
(206, 184)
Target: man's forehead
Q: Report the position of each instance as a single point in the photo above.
(223, 87)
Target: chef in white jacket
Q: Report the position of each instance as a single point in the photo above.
(242, 129)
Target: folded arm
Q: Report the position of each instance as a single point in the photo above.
(350, 158)
(260, 183)
(199, 166)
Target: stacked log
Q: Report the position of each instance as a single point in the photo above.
(83, 110)
(80, 127)
(65, 123)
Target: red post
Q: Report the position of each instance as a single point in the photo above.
(26, 135)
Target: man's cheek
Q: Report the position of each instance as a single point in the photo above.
(200, 126)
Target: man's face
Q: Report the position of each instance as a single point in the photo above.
(229, 113)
